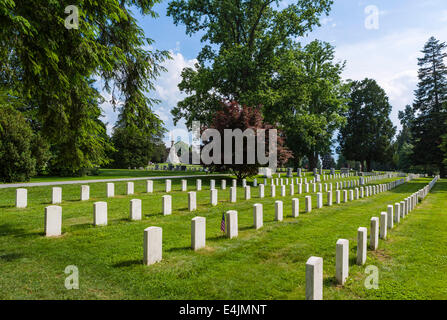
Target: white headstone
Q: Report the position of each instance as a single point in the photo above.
(213, 197)
(85, 192)
(247, 192)
(233, 196)
(397, 212)
(21, 198)
(308, 203)
(261, 191)
(314, 278)
(362, 234)
(184, 185)
(129, 189)
(100, 213)
(53, 221)
(231, 224)
(257, 215)
(374, 235)
(168, 185)
(192, 201)
(329, 198)
(56, 196)
(167, 205)
(149, 186)
(342, 261)
(295, 207)
(383, 225)
(390, 218)
(278, 210)
(283, 191)
(110, 190)
(135, 209)
(152, 245)
(198, 233)
(198, 184)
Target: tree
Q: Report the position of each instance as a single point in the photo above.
(53, 68)
(312, 100)
(328, 161)
(244, 39)
(368, 133)
(134, 149)
(234, 116)
(16, 136)
(403, 145)
(430, 107)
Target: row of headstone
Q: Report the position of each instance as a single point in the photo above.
(21, 193)
(379, 227)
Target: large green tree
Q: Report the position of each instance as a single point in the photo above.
(311, 100)
(244, 40)
(403, 145)
(368, 133)
(54, 69)
(430, 106)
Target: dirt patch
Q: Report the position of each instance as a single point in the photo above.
(381, 255)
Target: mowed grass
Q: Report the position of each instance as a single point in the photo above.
(259, 264)
(117, 174)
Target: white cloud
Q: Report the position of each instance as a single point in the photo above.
(391, 60)
(166, 86)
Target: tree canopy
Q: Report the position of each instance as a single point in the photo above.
(368, 133)
(243, 42)
(54, 70)
(430, 107)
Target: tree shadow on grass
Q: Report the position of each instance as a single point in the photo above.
(8, 257)
(128, 263)
(217, 238)
(330, 282)
(187, 248)
(10, 229)
(149, 215)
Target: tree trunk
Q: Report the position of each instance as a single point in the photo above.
(368, 165)
(442, 171)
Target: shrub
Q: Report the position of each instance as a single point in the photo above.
(16, 160)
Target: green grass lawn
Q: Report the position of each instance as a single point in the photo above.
(260, 264)
(116, 174)
(132, 173)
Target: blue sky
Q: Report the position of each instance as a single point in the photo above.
(388, 54)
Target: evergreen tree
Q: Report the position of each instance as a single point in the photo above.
(53, 68)
(430, 107)
(369, 130)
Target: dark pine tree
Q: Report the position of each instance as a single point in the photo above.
(430, 107)
(368, 133)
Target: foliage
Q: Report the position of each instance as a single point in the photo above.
(134, 149)
(243, 42)
(369, 130)
(328, 161)
(16, 137)
(312, 100)
(53, 68)
(234, 116)
(403, 147)
(430, 106)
